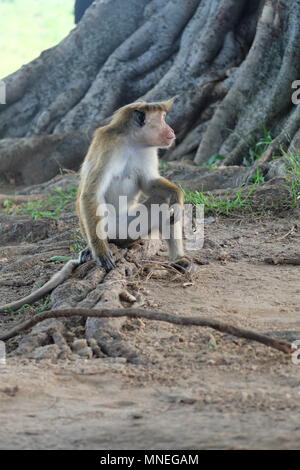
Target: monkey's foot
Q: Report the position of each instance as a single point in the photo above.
(107, 262)
(183, 265)
(85, 255)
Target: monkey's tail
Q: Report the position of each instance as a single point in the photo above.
(55, 281)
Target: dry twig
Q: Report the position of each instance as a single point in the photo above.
(290, 232)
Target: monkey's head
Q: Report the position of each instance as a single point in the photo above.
(147, 124)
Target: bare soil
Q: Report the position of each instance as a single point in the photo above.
(199, 389)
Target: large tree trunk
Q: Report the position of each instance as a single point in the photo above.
(230, 64)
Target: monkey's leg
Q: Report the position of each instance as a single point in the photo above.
(128, 229)
(82, 229)
(86, 254)
(174, 242)
(97, 246)
(167, 223)
(170, 227)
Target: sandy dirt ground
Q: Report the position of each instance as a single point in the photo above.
(198, 389)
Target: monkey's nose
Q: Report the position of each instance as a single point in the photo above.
(171, 135)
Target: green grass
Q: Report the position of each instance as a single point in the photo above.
(292, 162)
(37, 307)
(240, 201)
(30, 26)
(50, 207)
(163, 165)
(218, 205)
(257, 177)
(258, 148)
(213, 160)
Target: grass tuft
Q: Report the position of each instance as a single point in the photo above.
(292, 162)
(218, 205)
(50, 207)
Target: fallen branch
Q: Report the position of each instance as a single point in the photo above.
(280, 345)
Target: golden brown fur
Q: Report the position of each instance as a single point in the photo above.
(110, 142)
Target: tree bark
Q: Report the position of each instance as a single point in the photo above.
(230, 65)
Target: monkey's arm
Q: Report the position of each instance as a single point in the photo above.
(163, 189)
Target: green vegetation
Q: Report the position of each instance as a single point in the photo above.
(38, 307)
(50, 207)
(218, 205)
(258, 148)
(257, 177)
(213, 160)
(255, 152)
(163, 165)
(28, 27)
(292, 162)
(240, 200)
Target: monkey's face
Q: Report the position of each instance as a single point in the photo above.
(153, 129)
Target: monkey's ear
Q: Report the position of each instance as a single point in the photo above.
(169, 103)
(139, 117)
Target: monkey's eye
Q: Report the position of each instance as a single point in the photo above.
(139, 117)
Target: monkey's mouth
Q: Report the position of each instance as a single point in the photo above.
(167, 143)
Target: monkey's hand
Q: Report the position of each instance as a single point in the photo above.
(106, 261)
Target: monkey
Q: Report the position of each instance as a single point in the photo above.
(122, 160)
